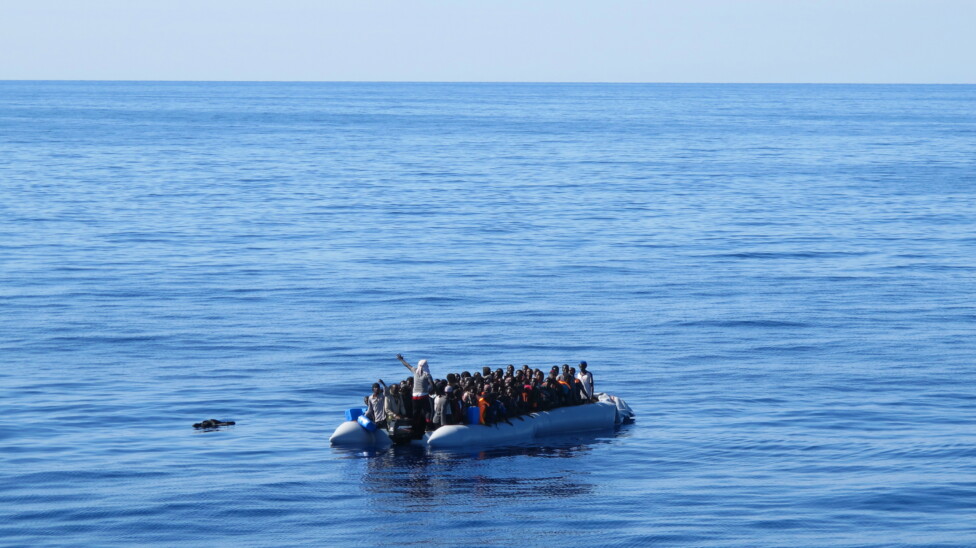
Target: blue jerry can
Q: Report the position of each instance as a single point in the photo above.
(366, 423)
(474, 415)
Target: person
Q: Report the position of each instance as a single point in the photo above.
(442, 409)
(565, 396)
(422, 385)
(454, 415)
(483, 406)
(406, 397)
(470, 396)
(570, 394)
(497, 409)
(394, 403)
(586, 379)
(577, 386)
(530, 400)
(376, 405)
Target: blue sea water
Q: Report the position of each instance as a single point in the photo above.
(779, 279)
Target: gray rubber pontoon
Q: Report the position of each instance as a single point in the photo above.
(604, 414)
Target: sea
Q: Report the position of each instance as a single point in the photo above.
(779, 279)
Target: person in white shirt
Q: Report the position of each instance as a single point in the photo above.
(376, 405)
(423, 384)
(586, 378)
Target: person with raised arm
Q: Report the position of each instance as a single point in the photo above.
(376, 404)
(423, 384)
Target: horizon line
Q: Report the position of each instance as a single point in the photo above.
(507, 82)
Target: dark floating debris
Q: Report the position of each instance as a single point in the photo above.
(213, 424)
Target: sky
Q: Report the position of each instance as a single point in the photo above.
(755, 41)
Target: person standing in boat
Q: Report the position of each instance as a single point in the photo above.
(442, 406)
(376, 404)
(586, 379)
(394, 403)
(423, 383)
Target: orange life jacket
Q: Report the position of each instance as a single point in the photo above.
(482, 405)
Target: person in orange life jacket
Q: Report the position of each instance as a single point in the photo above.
(376, 405)
(483, 405)
(586, 379)
(565, 390)
(423, 384)
(489, 409)
(574, 393)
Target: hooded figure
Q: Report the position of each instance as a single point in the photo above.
(423, 383)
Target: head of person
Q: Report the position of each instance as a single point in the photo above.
(510, 370)
(422, 366)
(485, 371)
(376, 389)
(582, 367)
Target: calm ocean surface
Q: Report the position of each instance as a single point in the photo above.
(780, 280)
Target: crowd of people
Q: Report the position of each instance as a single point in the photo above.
(499, 395)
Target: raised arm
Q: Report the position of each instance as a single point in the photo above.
(405, 364)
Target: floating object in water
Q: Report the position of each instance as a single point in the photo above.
(212, 424)
(606, 412)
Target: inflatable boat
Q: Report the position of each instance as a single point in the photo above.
(608, 411)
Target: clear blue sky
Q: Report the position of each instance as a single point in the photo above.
(894, 41)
